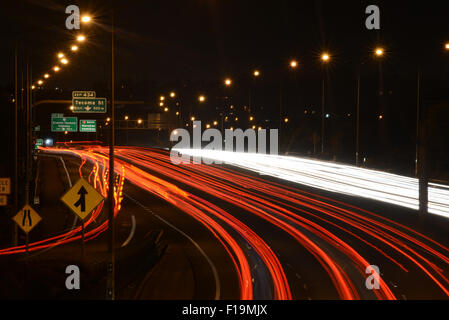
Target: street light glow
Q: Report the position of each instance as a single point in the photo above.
(64, 61)
(293, 63)
(81, 38)
(56, 68)
(172, 94)
(74, 48)
(40, 82)
(446, 46)
(202, 98)
(325, 57)
(379, 52)
(256, 73)
(86, 19)
(46, 76)
(228, 82)
(162, 98)
(60, 55)
(126, 117)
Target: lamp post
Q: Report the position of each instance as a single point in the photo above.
(111, 202)
(325, 59)
(378, 52)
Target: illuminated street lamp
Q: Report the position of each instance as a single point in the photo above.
(293, 64)
(379, 52)
(446, 46)
(64, 61)
(256, 73)
(161, 98)
(46, 76)
(60, 55)
(201, 98)
(139, 121)
(56, 68)
(33, 87)
(192, 118)
(325, 57)
(39, 82)
(228, 82)
(85, 19)
(161, 104)
(126, 117)
(172, 94)
(215, 123)
(166, 109)
(72, 108)
(286, 120)
(74, 48)
(80, 38)
(251, 118)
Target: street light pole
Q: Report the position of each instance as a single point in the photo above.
(16, 159)
(111, 202)
(322, 117)
(418, 110)
(357, 150)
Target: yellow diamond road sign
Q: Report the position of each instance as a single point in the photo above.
(27, 218)
(82, 198)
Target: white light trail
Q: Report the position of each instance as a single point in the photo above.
(345, 179)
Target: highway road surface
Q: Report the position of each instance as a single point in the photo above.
(234, 231)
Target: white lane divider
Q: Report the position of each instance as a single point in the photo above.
(131, 234)
(209, 261)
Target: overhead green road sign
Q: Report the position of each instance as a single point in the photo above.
(69, 124)
(83, 94)
(89, 105)
(39, 142)
(88, 125)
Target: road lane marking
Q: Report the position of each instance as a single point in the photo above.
(209, 261)
(131, 234)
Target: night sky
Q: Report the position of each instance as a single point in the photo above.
(191, 46)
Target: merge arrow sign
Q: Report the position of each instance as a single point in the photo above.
(82, 198)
